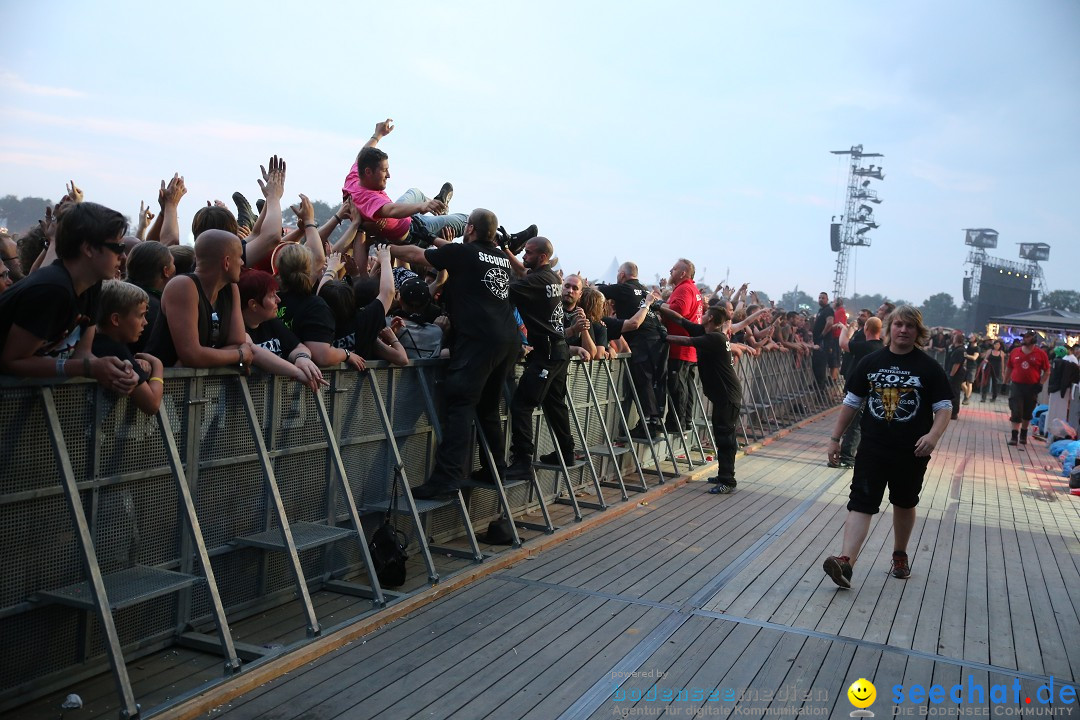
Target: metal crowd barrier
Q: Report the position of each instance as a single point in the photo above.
(125, 534)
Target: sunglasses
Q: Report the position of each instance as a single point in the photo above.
(118, 248)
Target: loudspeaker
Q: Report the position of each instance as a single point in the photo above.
(834, 237)
(1035, 300)
(967, 289)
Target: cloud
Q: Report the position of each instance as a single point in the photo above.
(11, 81)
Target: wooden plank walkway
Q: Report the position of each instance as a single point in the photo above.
(715, 605)
(719, 604)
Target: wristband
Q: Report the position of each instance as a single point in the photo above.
(240, 352)
(60, 363)
(157, 379)
(301, 355)
(835, 439)
(339, 219)
(311, 225)
(348, 354)
(86, 366)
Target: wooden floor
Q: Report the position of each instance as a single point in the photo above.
(697, 604)
(694, 604)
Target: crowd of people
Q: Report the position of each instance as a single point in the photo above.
(83, 295)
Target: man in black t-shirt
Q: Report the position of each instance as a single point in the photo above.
(720, 383)
(908, 406)
(822, 333)
(485, 343)
(648, 350)
(538, 297)
(956, 368)
(47, 320)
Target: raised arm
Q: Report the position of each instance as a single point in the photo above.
(169, 198)
(260, 244)
(305, 218)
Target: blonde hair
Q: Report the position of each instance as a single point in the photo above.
(912, 315)
(873, 325)
(120, 297)
(294, 268)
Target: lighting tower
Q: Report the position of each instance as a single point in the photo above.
(858, 218)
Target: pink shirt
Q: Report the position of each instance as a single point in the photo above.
(685, 300)
(368, 203)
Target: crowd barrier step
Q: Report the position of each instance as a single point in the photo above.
(124, 588)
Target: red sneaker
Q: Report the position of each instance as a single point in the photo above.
(900, 568)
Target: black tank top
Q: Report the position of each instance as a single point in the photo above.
(213, 321)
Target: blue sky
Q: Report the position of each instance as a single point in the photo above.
(643, 131)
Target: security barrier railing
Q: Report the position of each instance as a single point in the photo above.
(125, 534)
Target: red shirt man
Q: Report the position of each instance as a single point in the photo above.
(685, 300)
(839, 317)
(1028, 367)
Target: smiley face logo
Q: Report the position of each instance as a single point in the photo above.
(862, 693)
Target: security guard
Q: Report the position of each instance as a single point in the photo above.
(484, 345)
(538, 297)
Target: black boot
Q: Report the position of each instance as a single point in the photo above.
(518, 239)
(1012, 440)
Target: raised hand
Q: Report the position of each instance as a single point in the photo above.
(305, 211)
(384, 128)
(145, 216)
(273, 181)
(382, 254)
(170, 194)
(74, 193)
(335, 264)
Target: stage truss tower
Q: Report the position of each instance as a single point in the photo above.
(858, 220)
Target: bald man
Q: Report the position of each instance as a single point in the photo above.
(485, 344)
(200, 324)
(537, 293)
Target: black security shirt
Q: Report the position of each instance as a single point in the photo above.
(629, 297)
(538, 297)
(477, 291)
(715, 366)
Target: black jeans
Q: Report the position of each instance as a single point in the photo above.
(648, 359)
(472, 388)
(725, 418)
(680, 387)
(819, 364)
(542, 383)
(955, 381)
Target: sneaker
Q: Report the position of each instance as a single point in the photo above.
(847, 464)
(643, 431)
(552, 458)
(900, 568)
(838, 567)
(518, 239)
(519, 470)
(445, 193)
(832, 464)
(722, 489)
